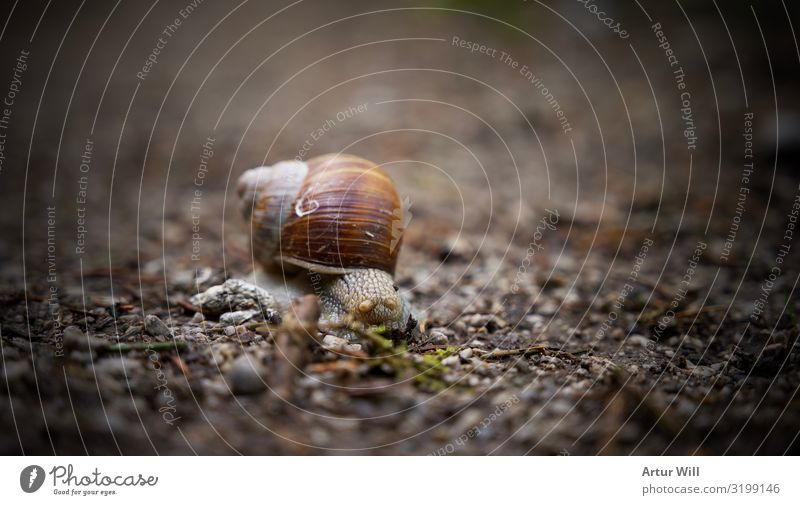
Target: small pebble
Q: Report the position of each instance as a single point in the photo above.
(238, 317)
(438, 338)
(479, 365)
(75, 338)
(155, 326)
(535, 320)
(638, 340)
(132, 332)
(489, 321)
(547, 308)
(703, 371)
(247, 336)
(338, 344)
(465, 354)
(245, 376)
(451, 361)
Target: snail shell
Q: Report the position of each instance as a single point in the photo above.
(331, 214)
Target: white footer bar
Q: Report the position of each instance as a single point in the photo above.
(399, 480)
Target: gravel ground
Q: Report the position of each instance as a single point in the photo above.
(611, 289)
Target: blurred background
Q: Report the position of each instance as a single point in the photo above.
(635, 121)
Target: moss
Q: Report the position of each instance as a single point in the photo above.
(430, 384)
(429, 371)
(434, 359)
(380, 344)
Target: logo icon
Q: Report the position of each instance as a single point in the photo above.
(31, 478)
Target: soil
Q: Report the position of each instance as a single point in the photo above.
(601, 277)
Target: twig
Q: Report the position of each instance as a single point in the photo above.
(429, 347)
(181, 365)
(188, 306)
(502, 353)
(344, 365)
(536, 349)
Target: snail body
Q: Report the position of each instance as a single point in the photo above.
(337, 217)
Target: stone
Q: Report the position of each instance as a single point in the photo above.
(76, 339)
(246, 376)
(438, 338)
(238, 317)
(489, 321)
(547, 308)
(237, 295)
(638, 340)
(155, 326)
(338, 344)
(451, 361)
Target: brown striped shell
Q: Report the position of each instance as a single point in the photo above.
(331, 214)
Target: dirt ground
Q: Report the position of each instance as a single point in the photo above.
(602, 246)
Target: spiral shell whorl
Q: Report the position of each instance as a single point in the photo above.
(332, 214)
(266, 196)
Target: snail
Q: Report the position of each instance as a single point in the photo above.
(331, 225)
